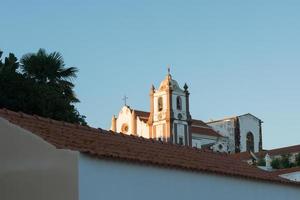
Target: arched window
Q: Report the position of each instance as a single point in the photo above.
(250, 142)
(124, 128)
(179, 103)
(160, 104)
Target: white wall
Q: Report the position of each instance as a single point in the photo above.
(199, 140)
(248, 123)
(32, 169)
(295, 176)
(142, 128)
(102, 179)
(157, 95)
(226, 129)
(125, 117)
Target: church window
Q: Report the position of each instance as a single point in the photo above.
(124, 128)
(160, 104)
(179, 103)
(250, 142)
(220, 147)
(180, 142)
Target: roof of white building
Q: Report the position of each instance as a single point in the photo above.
(272, 152)
(232, 118)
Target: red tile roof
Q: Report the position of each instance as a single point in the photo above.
(272, 152)
(286, 171)
(108, 145)
(282, 151)
(196, 122)
(144, 116)
(242, 156)
(205, 131)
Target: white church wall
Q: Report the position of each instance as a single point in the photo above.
(180, 132)
(248, 123)
(142, 128)
(104, 179)
(32, 169)
(157, 95)
(199, 140)
(221, 145)
(124, 117)
(159, 130)
(180, 126)
(226, 129)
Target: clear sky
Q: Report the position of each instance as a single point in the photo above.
(236, 56)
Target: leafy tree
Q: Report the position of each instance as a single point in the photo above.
(10, 63)
(275, 163)
(50, 69)
(298, 159)
(285, 161)
(261, 162)
(22, 90)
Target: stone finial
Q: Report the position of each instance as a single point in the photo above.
(152, 89)
(169, 73)
(185, 87)
(113, 124)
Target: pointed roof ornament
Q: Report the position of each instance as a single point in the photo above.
(185, 87)
(169, 72)
(152, 90)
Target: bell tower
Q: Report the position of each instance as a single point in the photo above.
(170, 118)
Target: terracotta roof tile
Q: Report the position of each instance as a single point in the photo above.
(205, 131)
(144, 116)
(282, 151)
(108, 145)
(142, 113)
(272, 152)
(196, 122)
(286, 171)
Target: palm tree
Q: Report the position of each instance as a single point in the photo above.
(50, 69)
(10, 63)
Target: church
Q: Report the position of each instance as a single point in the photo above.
(170, 120)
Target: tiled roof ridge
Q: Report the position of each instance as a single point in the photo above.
(49, 120)
(99, 130)
(197, 126)
(110, 145)
(141, 111)
(286, 170)
(283, 148)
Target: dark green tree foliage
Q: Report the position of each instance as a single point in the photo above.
(275, 163)
(298, 159)
(40, 85)
(261, 162)
(283, 162)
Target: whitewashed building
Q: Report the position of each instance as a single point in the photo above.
(244, 132)
(43, 159)
(170, 120)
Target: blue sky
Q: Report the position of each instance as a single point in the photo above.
(236, 56)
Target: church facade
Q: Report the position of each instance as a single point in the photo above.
(170, 120)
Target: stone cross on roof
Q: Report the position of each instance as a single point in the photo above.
(125, 98)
